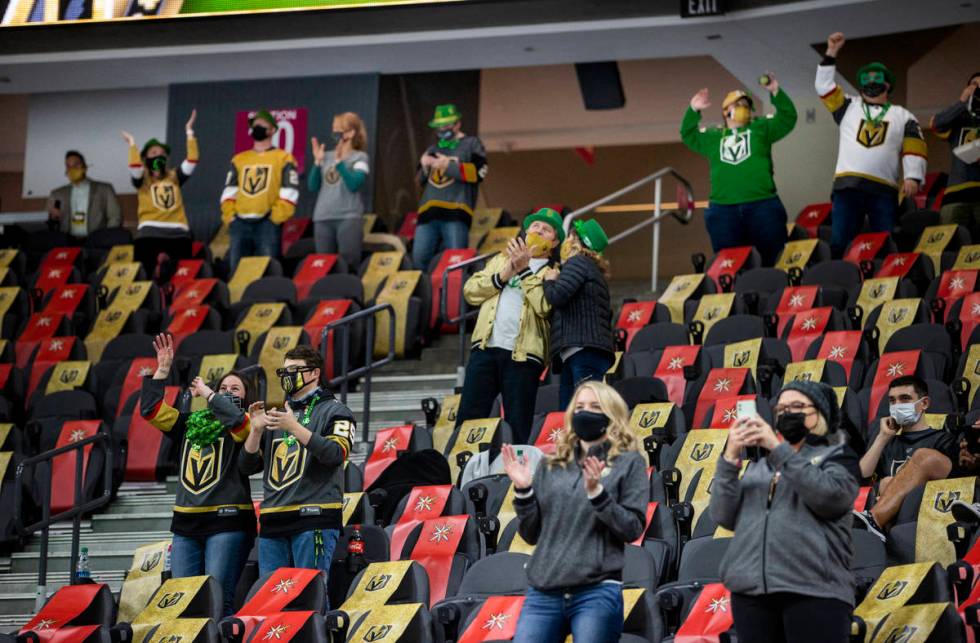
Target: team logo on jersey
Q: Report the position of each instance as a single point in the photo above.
(871, 134)
(255, 179)
(701, 451)
(944, 501)
(968, 135)
(331, 176)
(201, 466)
(288, 464)
(164, 195)
(736, 147)
(891, 590)
(439, 179)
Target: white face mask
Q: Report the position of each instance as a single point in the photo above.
(905, 413)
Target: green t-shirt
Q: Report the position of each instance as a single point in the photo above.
(741, 159)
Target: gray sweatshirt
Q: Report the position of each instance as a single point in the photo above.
(581, 541)
(800, 541)
(334, 198)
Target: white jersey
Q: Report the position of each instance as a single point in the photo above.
(876, 149)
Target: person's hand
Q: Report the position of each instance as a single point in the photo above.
(130, 140)
(426, 161)
(319, 150)
(519, 253)
(284, 419)
(517, 469)
(163, 344)
(591, 473)
(736, 441)
(887, 428)
(257, 416)
(967, 460)
(200, 389)
(550, 274)
(773, 85)
(967, 93)
(834, 43)
(700, 100)
(189, 125)
(910, 187)
(757, 432)
(441, 162)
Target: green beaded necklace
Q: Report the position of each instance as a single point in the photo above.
(290, 439)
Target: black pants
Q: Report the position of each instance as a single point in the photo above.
(146, 250)
(791, 618)
(491, 372)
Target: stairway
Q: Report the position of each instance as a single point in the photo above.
(141, 512)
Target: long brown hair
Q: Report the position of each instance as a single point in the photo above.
(580, 249)
(620, 437)
(350, 120)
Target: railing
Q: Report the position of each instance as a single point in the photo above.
(343, 380)
(658, 215)
(74, 514)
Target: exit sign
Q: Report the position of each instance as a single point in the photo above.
(699, 8)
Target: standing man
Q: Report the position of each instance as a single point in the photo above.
(450, 172)
(303, 448)
(881, 149)
(744, 208)
(260, 194)
(510, 340)
(83, 205)
(960, 124)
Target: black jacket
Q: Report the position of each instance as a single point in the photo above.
(581, 310)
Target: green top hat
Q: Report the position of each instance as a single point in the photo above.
(264, 115)
(549, 216)
(150, 143)
(444, 115)
(880, 68)
(592, 235)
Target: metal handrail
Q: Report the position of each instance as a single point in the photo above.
(345, 374)
(74, 514)
(658, 215)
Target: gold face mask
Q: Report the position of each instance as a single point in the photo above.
(569, 248)
(76, 174)
(539, 246)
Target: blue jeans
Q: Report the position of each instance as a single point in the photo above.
(593, 613)
(847, 216)
(251, 238)
(433, 236)
(586, 365)
(298, 550)
(757, 223)
(221, 555)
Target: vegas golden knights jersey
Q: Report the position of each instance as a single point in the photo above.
(160, 203)
(261, 184)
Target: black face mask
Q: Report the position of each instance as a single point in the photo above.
(292, 381)
(873, 90)
(234, 399)
(446, 134)
(792, 426)
(589, 426)
(157, 163)
(258, 133)
(336, 137)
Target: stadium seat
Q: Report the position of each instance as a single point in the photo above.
(420, 504)
(699, 568)
(446, 547)
(437, 267)
(634, 316)
(74, 612)
(284, 590)
(388, 444)
(915, 584)
(501, 574)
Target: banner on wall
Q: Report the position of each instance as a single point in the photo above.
(290, 135)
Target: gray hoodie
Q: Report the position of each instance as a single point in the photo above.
(800, 541)
(581, 541)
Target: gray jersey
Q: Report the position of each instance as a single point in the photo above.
(335, 200)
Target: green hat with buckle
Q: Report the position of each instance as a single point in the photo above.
(549, 216)
(150, 143)
(264, 115)
(876, 67)
(592, 235)
(445, 115)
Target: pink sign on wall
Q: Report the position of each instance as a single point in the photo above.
(291, 135)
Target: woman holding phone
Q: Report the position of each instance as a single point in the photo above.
(788, 566)
(596, 481)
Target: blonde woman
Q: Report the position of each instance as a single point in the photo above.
(338, 180)
(580, 508)
(788, 566)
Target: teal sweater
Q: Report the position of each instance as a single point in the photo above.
(741, 159)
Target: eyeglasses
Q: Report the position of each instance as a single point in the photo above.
(869, 77)
(281, 372)
(792, 407)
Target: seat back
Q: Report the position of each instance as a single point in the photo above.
(445, 547)
(73, 606)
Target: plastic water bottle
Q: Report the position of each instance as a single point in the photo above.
(83, 568)
(166, 559)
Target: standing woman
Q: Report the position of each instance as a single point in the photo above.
(788, 565)
(214, 521)
(162, 226)
(338, 180)
(582, 345)
(580, 508)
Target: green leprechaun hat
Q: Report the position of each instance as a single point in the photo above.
(444, 115)
(264, 115)
(592, 235)
(549, 216)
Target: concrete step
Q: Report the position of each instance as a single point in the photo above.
(411, 381)
(149, 521)
(118, 558)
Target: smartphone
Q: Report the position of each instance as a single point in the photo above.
(745, 409)
(972, 440)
